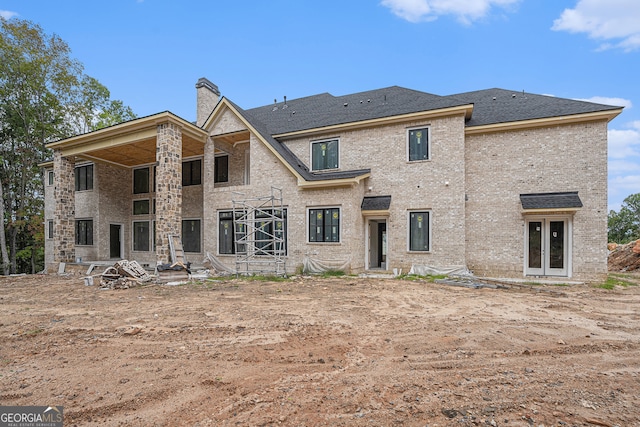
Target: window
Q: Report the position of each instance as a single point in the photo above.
(418, 144)
(84, 232)
(419, 231)
(226, 238)
(84, 177)
(221, 169)
(324, 225)
(324, 155)
(271, 232)
(141, 181)
(191, 172)
(141, 207)
(50, 230)
(191, 235)
(50, 177)
(141, 236)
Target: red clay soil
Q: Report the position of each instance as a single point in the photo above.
(321, 352)
(625, 257)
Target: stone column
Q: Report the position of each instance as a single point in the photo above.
(168, 188)
(64, 243)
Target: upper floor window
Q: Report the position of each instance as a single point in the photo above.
(192, 172)
(141, 207)
(84, 177)
(324, 155)
(419, 231)
(49, 177)
(324, 225)
(418, 144)
(141, 181)
(50, 230)
(221, 169)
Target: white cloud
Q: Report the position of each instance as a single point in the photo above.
(618, 102)
(465, 11)
(624, 143)
(7, 14)
(614, 22)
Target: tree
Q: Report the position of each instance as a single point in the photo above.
(44, 96)
(624, 226)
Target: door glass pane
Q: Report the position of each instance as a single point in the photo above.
(535, 244)
(556, 244)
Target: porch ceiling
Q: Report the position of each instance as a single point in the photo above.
(132, 143)
(140, 152)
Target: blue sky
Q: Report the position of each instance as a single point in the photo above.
(150, 53)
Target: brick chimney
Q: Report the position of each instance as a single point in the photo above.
(208, 96)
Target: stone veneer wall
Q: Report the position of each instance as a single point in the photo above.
(64, 214)
(168, 188)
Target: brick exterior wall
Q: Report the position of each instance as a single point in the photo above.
(500, 166)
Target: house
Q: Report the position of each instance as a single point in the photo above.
(504, 183)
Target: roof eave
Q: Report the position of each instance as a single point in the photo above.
(466, 109)
(607, 115)
(332, 183)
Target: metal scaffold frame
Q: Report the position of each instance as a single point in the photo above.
(259, 233)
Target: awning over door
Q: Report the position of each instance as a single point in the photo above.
(374, 205)
(567, 201)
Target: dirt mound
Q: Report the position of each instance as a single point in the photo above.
(625, 257)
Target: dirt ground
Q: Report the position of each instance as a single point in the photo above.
(321, 352)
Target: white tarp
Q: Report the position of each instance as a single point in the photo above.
(315, 265)
(427, 270)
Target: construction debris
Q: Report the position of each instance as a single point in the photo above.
(123, 275)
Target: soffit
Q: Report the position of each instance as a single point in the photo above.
(131, 143)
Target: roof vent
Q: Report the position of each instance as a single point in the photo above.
(346, 104)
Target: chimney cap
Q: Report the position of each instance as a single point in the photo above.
(204, 82)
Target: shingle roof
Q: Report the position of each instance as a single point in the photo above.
(290, 157)
(501, 106)
(376, 203)
(325, 109)
(551, 200)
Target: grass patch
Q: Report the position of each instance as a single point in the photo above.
(614, 280)
(332, 273)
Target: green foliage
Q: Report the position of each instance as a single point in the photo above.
(44, 96)
(265, 278)
(417, 277)
(624, 226)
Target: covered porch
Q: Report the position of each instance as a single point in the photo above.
(110, 157)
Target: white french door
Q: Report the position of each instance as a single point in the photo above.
(547, 251)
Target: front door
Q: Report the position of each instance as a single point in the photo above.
(377, 244)
(115, 241)
(547, 247)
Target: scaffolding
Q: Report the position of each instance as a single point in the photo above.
(259, 234)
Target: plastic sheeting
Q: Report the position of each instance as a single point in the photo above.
(316, 266)
(427, 270)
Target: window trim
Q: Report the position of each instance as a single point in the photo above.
(78, 240)
(133, 207)
(408, 142)
(133, 183)
(133, 236)
(215, 168)
(317, 208)
(189, 182)
(199, 235)
(429, 213)
(320, 141)
(88, 184)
